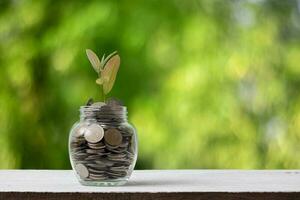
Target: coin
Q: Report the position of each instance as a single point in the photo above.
(82, 170)
(97, 177)
(95, 151)
(126, 130)
(110, 147)
(96, 145)
(93, 157)
(80, 129)
(107, 162)
(98, 104)
(116, 174)
(94, 133)
(117, 150)
(113, 137)
(97, 165)
(120, 155)
(119, 169)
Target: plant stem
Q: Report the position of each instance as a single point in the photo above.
(102, 95)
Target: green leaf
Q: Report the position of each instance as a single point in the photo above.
(102, 59)
(105, 60)
(109, 73)
(94, 60)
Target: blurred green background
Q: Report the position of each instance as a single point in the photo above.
(208, 84)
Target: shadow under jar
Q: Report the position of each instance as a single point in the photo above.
(103, 145)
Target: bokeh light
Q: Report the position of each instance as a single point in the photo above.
(208, 84)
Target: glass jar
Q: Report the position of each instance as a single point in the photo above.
(103, 145)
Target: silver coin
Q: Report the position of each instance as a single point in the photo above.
(80, 129)
(104, 153)
(80, 154)
(94, 133)
(82, 162)
(95, 151)
(97, 177)
(79, 157)
(96, 146)
(78, 148)
(82, 171)
(98, 104)
(97, 173)
(107, 162)
(117, 159)
(114, 101)
(121, 155)
(118, 174)
(97, 165)
(117, 150)
(93, 157)
(128, 131)
(97, 170)
(124, 144)
(121, 168)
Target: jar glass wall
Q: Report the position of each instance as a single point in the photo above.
(103, 145)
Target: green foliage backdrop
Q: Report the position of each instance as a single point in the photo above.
(208, 84)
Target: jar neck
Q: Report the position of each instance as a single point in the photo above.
(104, 114)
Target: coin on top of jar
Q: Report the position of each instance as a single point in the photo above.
(99, 104)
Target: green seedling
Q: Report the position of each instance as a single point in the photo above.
(106, 69)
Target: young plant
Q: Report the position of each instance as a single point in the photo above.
(106, 69)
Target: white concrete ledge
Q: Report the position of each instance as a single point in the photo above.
(149, 184)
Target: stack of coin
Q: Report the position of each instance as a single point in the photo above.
(102, 144)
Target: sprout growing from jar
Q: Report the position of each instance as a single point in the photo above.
(106, 69)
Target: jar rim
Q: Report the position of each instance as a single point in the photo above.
(103, 113)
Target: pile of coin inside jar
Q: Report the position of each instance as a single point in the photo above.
(102, 146)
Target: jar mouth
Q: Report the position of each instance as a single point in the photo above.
(105, 113)
(106, 106)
